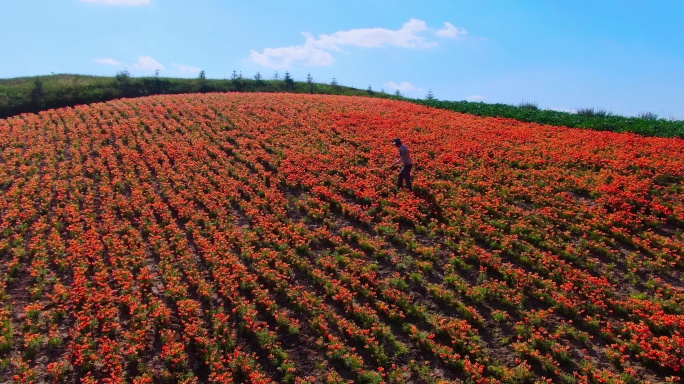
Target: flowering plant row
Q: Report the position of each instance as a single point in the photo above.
(258, 238)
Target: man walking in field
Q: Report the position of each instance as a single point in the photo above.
(407, 164)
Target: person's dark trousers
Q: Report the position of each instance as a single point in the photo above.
(405, 174)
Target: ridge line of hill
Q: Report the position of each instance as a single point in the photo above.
(34, 94)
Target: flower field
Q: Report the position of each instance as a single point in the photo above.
(258, 238)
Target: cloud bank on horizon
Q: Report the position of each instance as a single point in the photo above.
(403, 86)
(147, 64)
(318, 51)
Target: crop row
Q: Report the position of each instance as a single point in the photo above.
(255, 237)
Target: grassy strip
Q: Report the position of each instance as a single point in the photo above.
(588, 118)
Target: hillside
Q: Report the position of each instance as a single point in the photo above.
(35, 94)
(39, 93)
(258, 237)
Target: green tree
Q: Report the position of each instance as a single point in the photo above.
(259, 80)
(370, 91)
(310, 83)
(123, 76)
(335, 84)
(236, 79)
(648, 116)
(531, 105)
(160, 86)
(202, 81)
(429, 95)
(289, 82)
(38, 95)
(124, 83)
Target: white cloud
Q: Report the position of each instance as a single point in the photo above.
(108, 61)
(406, 37)
(146, 63)
(404, 86)
(316, 51)
(475, 98)
(286, 56)
(187, 68)
(451, 32)
(119, 2)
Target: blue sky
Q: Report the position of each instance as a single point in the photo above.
(626, 57)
